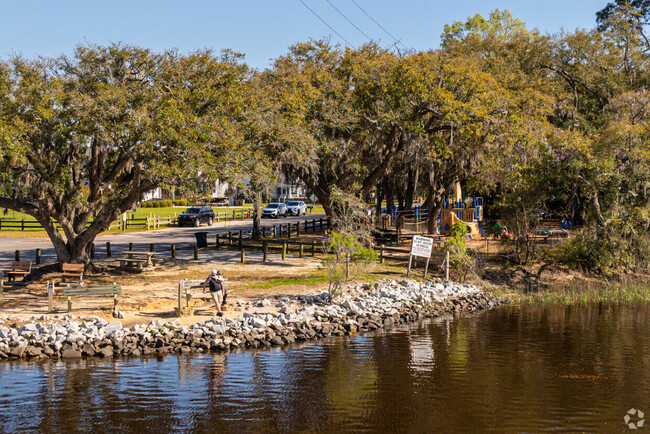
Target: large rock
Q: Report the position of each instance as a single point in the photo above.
(17, 351)
(70, 354)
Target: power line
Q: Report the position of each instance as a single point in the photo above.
(324, 22)
(348, 20)
(379, 25)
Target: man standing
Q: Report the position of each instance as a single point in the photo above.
(215, 284)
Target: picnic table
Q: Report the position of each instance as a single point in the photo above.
(137, 259)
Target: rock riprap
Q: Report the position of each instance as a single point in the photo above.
(359, 309)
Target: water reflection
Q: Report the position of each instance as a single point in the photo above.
(515, 368)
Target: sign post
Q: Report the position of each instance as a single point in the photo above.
(420, 246)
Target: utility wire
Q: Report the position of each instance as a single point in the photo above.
(379, 25)
(348, 20)
(324, 22)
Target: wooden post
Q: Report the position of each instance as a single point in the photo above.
(173, 249)
(243, 256)
(284, 250)
(320, 224)
(151, 247)
(426, 267)
(38, 256)
(487, 247)
(408, 270)
(265, 250)
(241, 239)
(50, 297)
(179, 295)
(92, 251)
(288, 230)
(300, 246)
(298, 229)
(130, 247)
(217, 241)
(196, 253)
(108, 249)
(22, 225)
(17, 255)
(447, 266)
(233, 214)
(2, 277)
(275, 231)
(264, 232)
(381, 254)
(69, 304)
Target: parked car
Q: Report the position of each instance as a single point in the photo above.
(196, 215)
(275, 210)
(296, 207)
(220, 201)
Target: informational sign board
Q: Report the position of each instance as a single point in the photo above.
(421, 246)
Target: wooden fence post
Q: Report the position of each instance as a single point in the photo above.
(50, 297)
(196, 253)
(243, 255)
(288, 230)
(173, 250)
(301, 249)
(38, 256)
(108, 249)
(275, 231)
(265, 250)
(130, 247)
(241, 239)
(298, 229)
(22, 225)
(151, 247)
(381, 254)
(313, 247)
(217, 241)
(284, 250)
(17, 255)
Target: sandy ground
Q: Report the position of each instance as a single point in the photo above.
(153, 294)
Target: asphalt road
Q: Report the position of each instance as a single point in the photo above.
(182, 237)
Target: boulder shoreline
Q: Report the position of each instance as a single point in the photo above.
(359, 309)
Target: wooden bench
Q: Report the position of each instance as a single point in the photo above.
(19, 268)
(85, 291)
(132, 262)
(72, 270)
(185, 288)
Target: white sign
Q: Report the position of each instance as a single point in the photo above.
(421, 246)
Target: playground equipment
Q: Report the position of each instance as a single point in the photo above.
(461, 211)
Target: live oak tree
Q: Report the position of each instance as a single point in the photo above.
(84, 137)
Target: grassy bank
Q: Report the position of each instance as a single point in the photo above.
(581, 292)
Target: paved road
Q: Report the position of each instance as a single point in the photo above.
(183, 237)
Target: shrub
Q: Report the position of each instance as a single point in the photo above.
(147, 204)
(460, 261)
(159, 204)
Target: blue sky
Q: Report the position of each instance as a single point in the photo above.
(262, 29)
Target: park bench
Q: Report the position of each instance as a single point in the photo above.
(19, 268)
(72, 270)
(86, 291)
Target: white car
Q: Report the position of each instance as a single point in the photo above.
(275, 210)
(296, 207)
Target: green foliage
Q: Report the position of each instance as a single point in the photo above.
(345, 260)
(460, 260)
(147, 204)
(180, 202)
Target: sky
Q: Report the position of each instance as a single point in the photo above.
(262, 29)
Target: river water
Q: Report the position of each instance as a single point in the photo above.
(515, 368)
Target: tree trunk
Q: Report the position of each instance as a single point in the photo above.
(257, 214)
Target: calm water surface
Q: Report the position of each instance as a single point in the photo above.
(511, 369)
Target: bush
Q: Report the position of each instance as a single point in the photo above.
(179, 202)
(147, 205)
(159, 204)
(460, 261)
